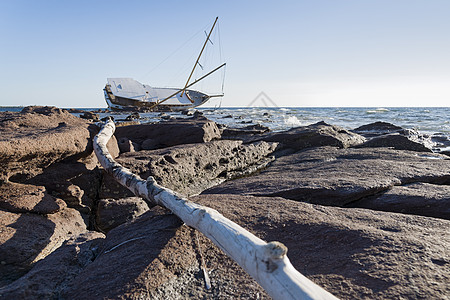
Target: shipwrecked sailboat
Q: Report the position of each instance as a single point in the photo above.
(130, 94)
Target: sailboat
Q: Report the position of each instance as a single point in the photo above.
(130, 94)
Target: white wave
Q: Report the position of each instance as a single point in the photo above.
(377, 110)
(292, 121)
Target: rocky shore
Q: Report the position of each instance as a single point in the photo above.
(364, 213)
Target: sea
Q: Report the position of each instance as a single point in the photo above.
(430, 121)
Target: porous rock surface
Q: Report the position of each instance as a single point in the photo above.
(189, 169)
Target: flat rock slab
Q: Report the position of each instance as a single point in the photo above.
(331, 176)
(416, 198)
(189, 169)
(27, 238)
(353, 253)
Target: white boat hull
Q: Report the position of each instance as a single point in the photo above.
(129, 94)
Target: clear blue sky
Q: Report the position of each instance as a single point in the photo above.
(300, 53)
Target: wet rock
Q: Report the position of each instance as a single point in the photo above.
(395, 141)
(245, 132)
(55, 272)
(22, 198)
(27, 238)
(171, 133)
(377, 129)
(382, 134)
(315, 135)
(416, 198)
(165, 116)
(37, 137)
(331, 176)
(112, 213)
(133, 116)
(88, 115)
(189, 169)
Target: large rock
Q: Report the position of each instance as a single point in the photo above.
(156, 257)
(113, 212)
(52, 274)
(352, 253)
(73, 182)
(377, 128)
(337, 177)
(37, 137)
(27, 238)
(396, 141)
(383, 134)
(23, 198)
(315, 135)
(170, 133)
(189, 169)
(416, 198)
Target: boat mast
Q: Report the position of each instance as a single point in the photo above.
(195, 65)
(189, 85)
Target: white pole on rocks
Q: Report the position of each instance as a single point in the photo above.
(267, 263)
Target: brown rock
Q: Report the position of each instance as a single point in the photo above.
(352, 253)
(171, 133)
(377, 128)
(395, 141)
(331, 176)
(315, 135)
(37, 137)
(21, 198)
(125, 145)
(73, 182)
(154, 257)
(416, 198)
(112, 213)
(189, 169)
(88, 115)
(27, 238)
(382, 134)
(52, 274)
(374, 255)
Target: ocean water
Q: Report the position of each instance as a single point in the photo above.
(432, 121)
